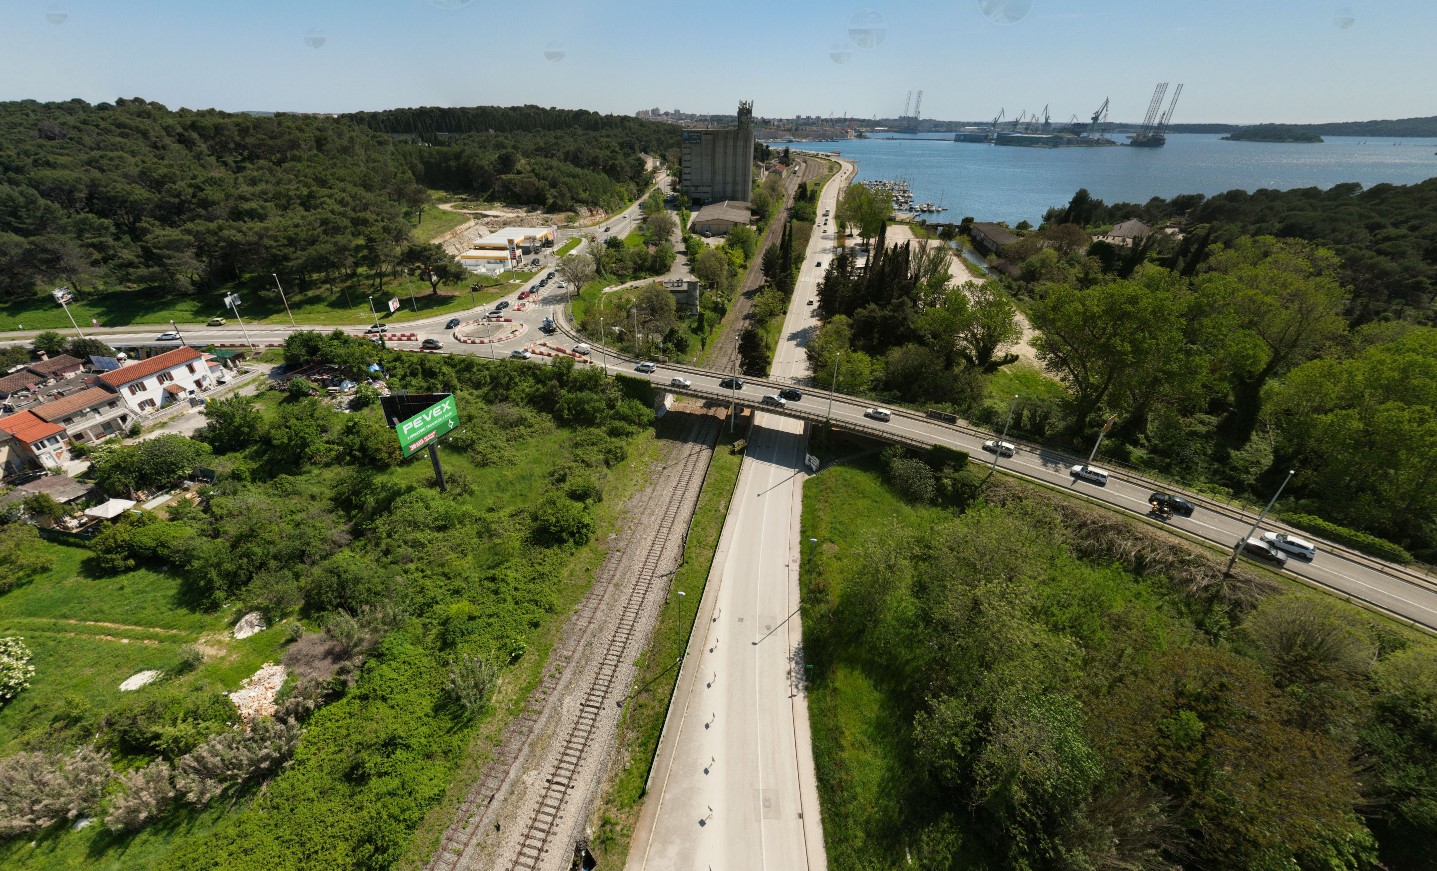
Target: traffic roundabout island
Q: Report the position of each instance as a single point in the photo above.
(488, 332)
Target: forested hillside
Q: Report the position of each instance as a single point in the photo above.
(555, 159)
(136, 195)
(1385, 237)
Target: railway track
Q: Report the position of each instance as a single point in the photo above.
(475, 816)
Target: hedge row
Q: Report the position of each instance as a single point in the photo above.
(1368, 544)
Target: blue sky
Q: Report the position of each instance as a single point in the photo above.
(1255, 60)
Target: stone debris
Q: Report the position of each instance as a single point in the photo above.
(255, 697)
(249, 624)
(135, 681)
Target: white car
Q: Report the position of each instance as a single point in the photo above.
(1291, 543)
(676, 381)
(1090, 473)
(882, 414)
(1002, 449)
(645, 367)
(521, 353)
(170, 336)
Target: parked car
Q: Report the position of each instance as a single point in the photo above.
(882, 414)
(792, 394)
(645, 366)
(521, 353)
(377, 328)
(677, 381)
(1090, 473)
(1291, 543)
(215, 322)
(731, 383)
(774, 400)
(169, 336)
(1259, 549)
(1002, 449)
(1175, 504)
(431, 344)
(534, 262)
(25, 478)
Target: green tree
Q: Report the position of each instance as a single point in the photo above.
(23, 555)
(714, 269)
(364, 440)
(577, 270)
(231, 424)
(753, 351)
(559, 521)
(743, 238)
(50, 342)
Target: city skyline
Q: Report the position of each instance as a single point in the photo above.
(1304, 61)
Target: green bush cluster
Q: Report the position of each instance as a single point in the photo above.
(1369, 544)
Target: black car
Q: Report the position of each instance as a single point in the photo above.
(502, 304)
(1259, 549)
(25, 478)
(1175, 504)
(731, 383)
(550, 275)
(792, 394)
(453, 324)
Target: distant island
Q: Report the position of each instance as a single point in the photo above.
(1273, 133)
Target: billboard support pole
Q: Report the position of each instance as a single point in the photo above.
(438, 470)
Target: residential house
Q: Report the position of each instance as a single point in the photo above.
(149, 385)
(57, 367)
(88, 416)
(1126, 233)
(991, 238)
(20, 381)
(31, 441)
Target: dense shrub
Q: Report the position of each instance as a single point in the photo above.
(1369, 544)
(38, 790)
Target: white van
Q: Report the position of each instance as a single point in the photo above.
(1090, 473)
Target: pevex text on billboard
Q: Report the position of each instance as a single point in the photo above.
(425, 427)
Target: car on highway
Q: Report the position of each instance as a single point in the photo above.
(1002, 449)
(792, 394)
(1175, 504)
(731, 383)
(772, 399)
(453, 324)
(170, 336)
(215, 322)
(1291, 543)
(501, 305)
(882, 414)
(678, 381)
(520, 353)
(645, 367)
(431, 344)
(1259, 549)
(377, 328)
(1091, 474)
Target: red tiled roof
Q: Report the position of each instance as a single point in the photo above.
(56, 409)
(28, 428)
(53, 366)
(145, 368)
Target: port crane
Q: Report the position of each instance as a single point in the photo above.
(1168, 115)
(1099, 117)
(1155, 123)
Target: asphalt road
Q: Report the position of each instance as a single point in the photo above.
(733, 786)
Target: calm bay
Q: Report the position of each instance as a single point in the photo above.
(993, 183)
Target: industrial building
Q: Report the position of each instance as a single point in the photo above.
(718, 164)
(716, 219)
(506, 248)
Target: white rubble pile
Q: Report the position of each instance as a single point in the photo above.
(135, 681)
(250, 624)
(255, 697)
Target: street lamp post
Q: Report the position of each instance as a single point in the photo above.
(63, 296)
(1102, 432)
(833, 387)
(232, 300)
(1237, 548)
(176, 328)
(372, 313)
(998, 448)
(282, 299)
(679, 625)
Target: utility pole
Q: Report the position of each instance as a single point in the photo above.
(1237, 548)
(283, 300)
(176, 328)
(998, 448)
(1102, 432)
(679, 625)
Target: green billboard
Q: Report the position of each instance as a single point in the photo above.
(424, 428)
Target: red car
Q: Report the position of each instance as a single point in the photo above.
(523, 294)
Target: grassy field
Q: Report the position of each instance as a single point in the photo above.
(1023, 379)
(568, 246)
(330, 306)
(90, 633)
(435, 222)
(618, 808)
